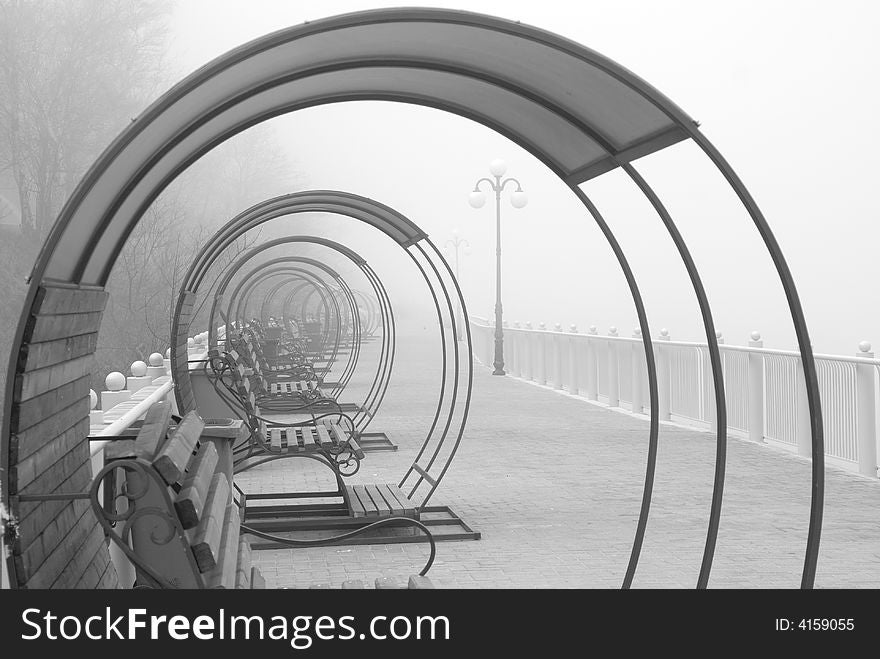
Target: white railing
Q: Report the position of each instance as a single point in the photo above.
(764, 389)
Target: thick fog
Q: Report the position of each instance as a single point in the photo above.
(781, 89)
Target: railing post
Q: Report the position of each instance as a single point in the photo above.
(709, 388)
(156, 369)
(542, 354)
(613, 376)
(515, 366)
(115, 393)
(139, 378)
(592, 379)
(528, 341)
(663, 375)
(756, 389)
(638, 368)
(867, 419)
(573, 370)
(489, 347)
(558, 344)
(96, 416)
(803, 429)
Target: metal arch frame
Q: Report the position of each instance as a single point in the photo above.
(285, 307)
(353, 206)
(255, 278)
(286, 316)
(265, 310)
(293, 275)
(239, 263)
(370, 325)
(338, 326)
(382, 376)
(99, 261)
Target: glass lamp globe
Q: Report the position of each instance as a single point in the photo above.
(519, 199)
(498, 167)
(476, 199)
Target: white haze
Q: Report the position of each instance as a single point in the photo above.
(785, 90)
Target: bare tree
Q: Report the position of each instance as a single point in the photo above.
(73, 73)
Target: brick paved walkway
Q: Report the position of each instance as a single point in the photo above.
(554, 485)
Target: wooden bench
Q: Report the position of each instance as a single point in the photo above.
(324, 435)
(168, 502)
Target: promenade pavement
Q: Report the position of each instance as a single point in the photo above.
(554, 485)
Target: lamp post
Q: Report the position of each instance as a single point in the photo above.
(518, 200)
(457, 243)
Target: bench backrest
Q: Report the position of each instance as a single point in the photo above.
(181, 524)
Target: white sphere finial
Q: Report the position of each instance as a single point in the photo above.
(115, 381)
(719, 335)
(498, 167)
(476, 199)
(756, 336)
(138, 369)
(528, 324)
(156, 359)
(593, 329)
(637, 331)
(573, 329)
(93, 399)
(664, 332)
(865, 346)
(612, 330)
(558, 327)
(542, 326)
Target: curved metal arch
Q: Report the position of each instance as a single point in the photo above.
(117, 190)
(234, 269)
(258, 275)
(380, 379)
(370, 312)
(250, 283)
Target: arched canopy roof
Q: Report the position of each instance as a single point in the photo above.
(577, 111)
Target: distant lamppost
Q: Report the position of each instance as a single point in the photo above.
(518, 200)
(457, 243)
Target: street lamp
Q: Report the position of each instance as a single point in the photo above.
(518, 200)
(457, 243)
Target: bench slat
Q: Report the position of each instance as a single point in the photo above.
(192, 496)
(257, 580)
(323, 438)
(275, 437)
(308, 437)
(151, 435)
(223, 574)
(366, 501)
(243, 566)
(394, 506)
(382, 507)
(408, 507)
(205, 539)
(175, 454)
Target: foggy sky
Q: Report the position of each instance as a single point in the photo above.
(784, 90)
